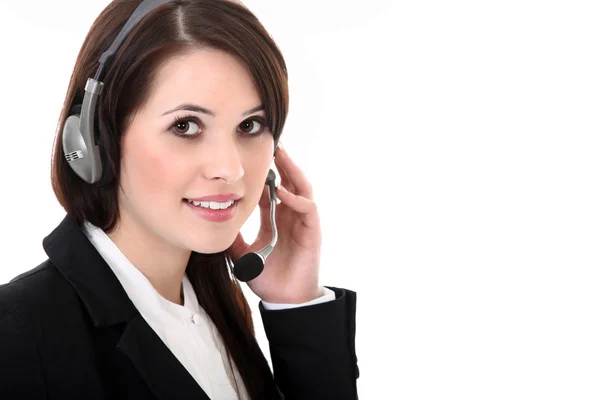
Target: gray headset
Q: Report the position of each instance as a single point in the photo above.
(81, 142)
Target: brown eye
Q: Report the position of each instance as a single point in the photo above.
(251, 127)
(185, 127)
(182, 126)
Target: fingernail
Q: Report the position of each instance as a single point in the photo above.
(280, 144)
(281, 148)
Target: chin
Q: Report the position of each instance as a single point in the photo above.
(215, 245)
(208, 249)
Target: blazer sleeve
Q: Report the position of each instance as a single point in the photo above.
(312, 348)
(21, 374)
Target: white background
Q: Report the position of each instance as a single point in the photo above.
(454, 152)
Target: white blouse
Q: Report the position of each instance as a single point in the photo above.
(186, 330)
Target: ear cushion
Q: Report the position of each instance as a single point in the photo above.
(107, 172)
(75, 110)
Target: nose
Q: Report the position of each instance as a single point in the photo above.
(223, 160)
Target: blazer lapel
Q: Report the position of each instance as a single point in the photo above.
(108, 304)
(161, 370)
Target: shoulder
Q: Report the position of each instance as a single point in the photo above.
(22, 302)
(38, 298)
(34, 288)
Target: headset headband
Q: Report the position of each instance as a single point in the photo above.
(79, 134)
(140, 12)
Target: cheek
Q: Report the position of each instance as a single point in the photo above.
(257, 168)
(149, 169)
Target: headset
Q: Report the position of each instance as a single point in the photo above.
(87, 158)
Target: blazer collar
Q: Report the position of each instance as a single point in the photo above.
(107, 304)
(84, 268)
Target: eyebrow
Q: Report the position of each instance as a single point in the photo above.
(200, 109)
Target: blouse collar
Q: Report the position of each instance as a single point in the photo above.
(139, 289)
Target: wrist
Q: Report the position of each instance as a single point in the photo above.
(298, 298)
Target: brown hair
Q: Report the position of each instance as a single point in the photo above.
(170, 30)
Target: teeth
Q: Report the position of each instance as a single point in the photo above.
(213, 205)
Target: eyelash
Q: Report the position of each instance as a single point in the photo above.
(194, 119)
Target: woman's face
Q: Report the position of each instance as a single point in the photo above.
(226, 149)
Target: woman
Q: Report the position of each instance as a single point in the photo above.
(136, 299)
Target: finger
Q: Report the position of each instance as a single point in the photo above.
(285, 179)
(300, 204)
(265, 211)
(294, 174)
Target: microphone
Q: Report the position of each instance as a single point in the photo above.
(251, 265)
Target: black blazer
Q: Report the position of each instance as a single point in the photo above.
(69, 331)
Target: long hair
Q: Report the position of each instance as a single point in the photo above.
(170, 30)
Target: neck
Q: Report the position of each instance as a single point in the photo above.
(161, 263)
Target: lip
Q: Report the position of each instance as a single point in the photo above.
(214, 215)
(217, 197)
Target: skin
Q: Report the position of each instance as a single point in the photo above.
(157, 230)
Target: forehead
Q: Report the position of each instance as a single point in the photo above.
(205, 75)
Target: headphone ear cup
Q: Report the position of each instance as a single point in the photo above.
(78, 156)
(75, 152)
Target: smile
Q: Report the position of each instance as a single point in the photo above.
(213, 205)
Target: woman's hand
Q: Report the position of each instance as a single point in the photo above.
(291, 273)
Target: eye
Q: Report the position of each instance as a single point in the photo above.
(253, 127)
(186, 126)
